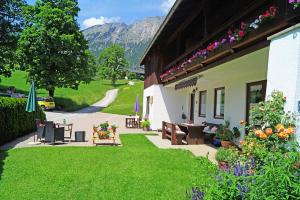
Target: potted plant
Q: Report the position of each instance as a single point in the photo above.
(104, 126)
(225, 135)
(103, 134)
(114, 128)
(146, 125)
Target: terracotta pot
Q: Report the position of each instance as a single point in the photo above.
(226, 144)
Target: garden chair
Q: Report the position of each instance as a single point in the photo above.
(53, 134)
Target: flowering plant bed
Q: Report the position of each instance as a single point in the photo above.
(269, 158)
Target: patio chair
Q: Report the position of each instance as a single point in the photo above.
(195, 135)
(53, 134)
(40, 129)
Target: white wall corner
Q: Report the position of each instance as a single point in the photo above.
(284, 68)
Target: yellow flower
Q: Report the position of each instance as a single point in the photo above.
(280, 127)
(290, 131)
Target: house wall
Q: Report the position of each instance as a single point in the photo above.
(284, 68)
(168, 104)
(234, 76)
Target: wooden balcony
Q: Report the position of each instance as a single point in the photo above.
(280, 22)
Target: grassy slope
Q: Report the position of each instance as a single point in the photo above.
(124, 104)
(138, 170)
(69, 99)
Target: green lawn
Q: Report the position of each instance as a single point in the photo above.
(138, 170)
(68, 99)
(124, 104)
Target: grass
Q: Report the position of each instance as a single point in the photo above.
(68, 99)
(138, 170)
(124, 104)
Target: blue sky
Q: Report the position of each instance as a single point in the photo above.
(95, 12)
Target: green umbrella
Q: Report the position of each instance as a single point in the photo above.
(31, 101)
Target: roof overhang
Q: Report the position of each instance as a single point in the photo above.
(161, 28)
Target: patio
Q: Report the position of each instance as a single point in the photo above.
(81, 122)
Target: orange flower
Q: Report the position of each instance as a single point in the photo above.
(282, 135)
(241, 142)
(280, 128)
(258, 133)
(269, 131)
(290, 131)
(263, 136)
(242, 122)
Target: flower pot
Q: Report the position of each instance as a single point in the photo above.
(216, 54)
(103, 135)
(226, 144)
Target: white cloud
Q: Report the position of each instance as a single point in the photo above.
(99, 21)
(167, 5)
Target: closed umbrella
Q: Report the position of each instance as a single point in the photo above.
(31, 101)
(137, 105)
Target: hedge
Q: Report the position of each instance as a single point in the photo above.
(15, 121)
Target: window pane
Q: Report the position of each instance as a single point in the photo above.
(202, 108)
(220, 102)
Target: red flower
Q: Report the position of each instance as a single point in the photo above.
(210, 47)
(243, 25)
(267, 14)
(273, 10)
(241, 34)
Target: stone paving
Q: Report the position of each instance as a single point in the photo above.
(198, 150)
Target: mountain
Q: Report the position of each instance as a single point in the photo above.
(134, 38)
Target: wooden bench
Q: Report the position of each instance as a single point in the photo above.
(169, 131)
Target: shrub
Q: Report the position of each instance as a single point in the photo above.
(14, 120)
(146, 124)
(269, 165)
(227, 155)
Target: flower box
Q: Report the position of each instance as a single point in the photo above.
(221, 52)
(196, 63)
(264, 30)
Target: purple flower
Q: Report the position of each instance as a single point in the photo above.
(223, 41)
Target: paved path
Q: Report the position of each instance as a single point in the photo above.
(58, 117)
(198, 150)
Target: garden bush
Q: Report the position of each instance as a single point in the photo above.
(14, 120)
(268, 167)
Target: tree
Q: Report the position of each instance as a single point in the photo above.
(112, 63)
(52, 49)
(10, 27)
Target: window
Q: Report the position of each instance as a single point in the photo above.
(219, 103)
(148, 106)
(202, 104)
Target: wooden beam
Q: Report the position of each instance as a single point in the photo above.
(187, 21)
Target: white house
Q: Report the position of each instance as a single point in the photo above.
(213, 60)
